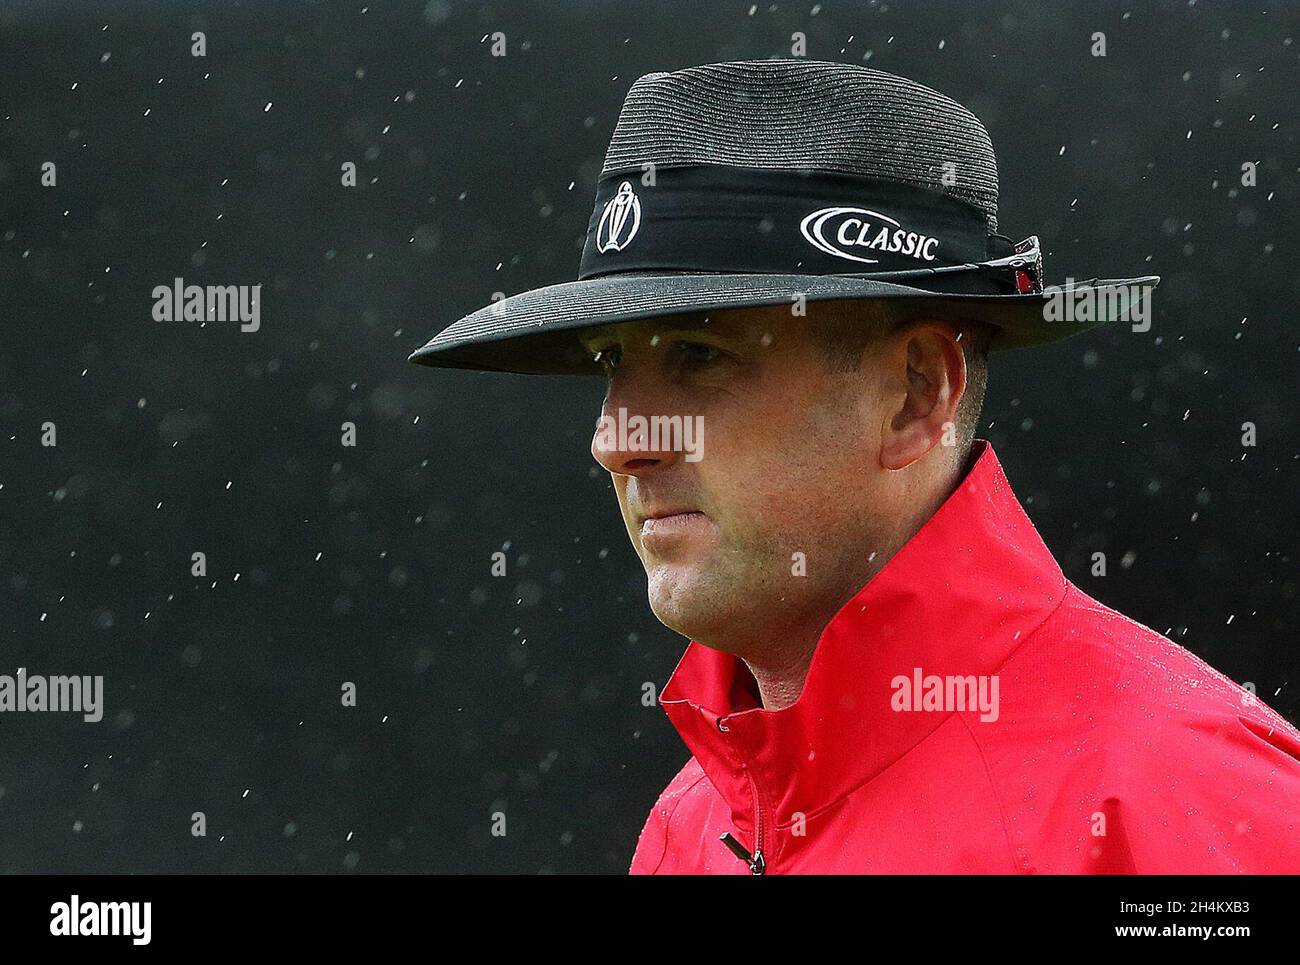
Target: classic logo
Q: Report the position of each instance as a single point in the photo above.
(838, 230)
(619, 221)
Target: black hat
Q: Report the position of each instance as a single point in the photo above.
(774, 182)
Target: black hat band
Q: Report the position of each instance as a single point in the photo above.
(723, 218)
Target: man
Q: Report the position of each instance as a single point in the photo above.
(792, 280)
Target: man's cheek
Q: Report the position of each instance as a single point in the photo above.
(782, 528)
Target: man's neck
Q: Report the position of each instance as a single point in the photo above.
(781, 668)
(780, 680)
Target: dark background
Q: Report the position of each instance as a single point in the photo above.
(328, 564)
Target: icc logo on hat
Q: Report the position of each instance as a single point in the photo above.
(619, 221)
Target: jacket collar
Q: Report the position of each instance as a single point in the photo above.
(957, 599)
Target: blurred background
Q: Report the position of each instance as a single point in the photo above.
(475, 175)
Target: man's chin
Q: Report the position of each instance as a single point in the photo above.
(682, 599)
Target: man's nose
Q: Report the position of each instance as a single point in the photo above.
(629, 437)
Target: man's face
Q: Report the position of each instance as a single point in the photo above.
(782, 498)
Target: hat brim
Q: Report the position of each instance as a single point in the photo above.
(534, 332)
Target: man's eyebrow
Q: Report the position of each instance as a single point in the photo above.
(593, 335)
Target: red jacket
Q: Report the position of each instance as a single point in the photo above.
(1108, 748)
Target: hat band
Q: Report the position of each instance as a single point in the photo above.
(724, 218)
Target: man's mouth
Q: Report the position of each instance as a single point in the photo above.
(672, 524)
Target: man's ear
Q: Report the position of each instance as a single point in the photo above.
(927, 371)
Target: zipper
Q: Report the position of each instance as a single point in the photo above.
(757, 863)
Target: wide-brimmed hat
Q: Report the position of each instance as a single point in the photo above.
(772, 182)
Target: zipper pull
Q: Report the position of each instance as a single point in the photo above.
(755, 861)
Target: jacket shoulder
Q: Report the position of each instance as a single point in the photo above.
(1158, 762)
(652, 845)
(1138, 669)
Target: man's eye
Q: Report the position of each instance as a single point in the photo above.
(608, 358)
(699, 353)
